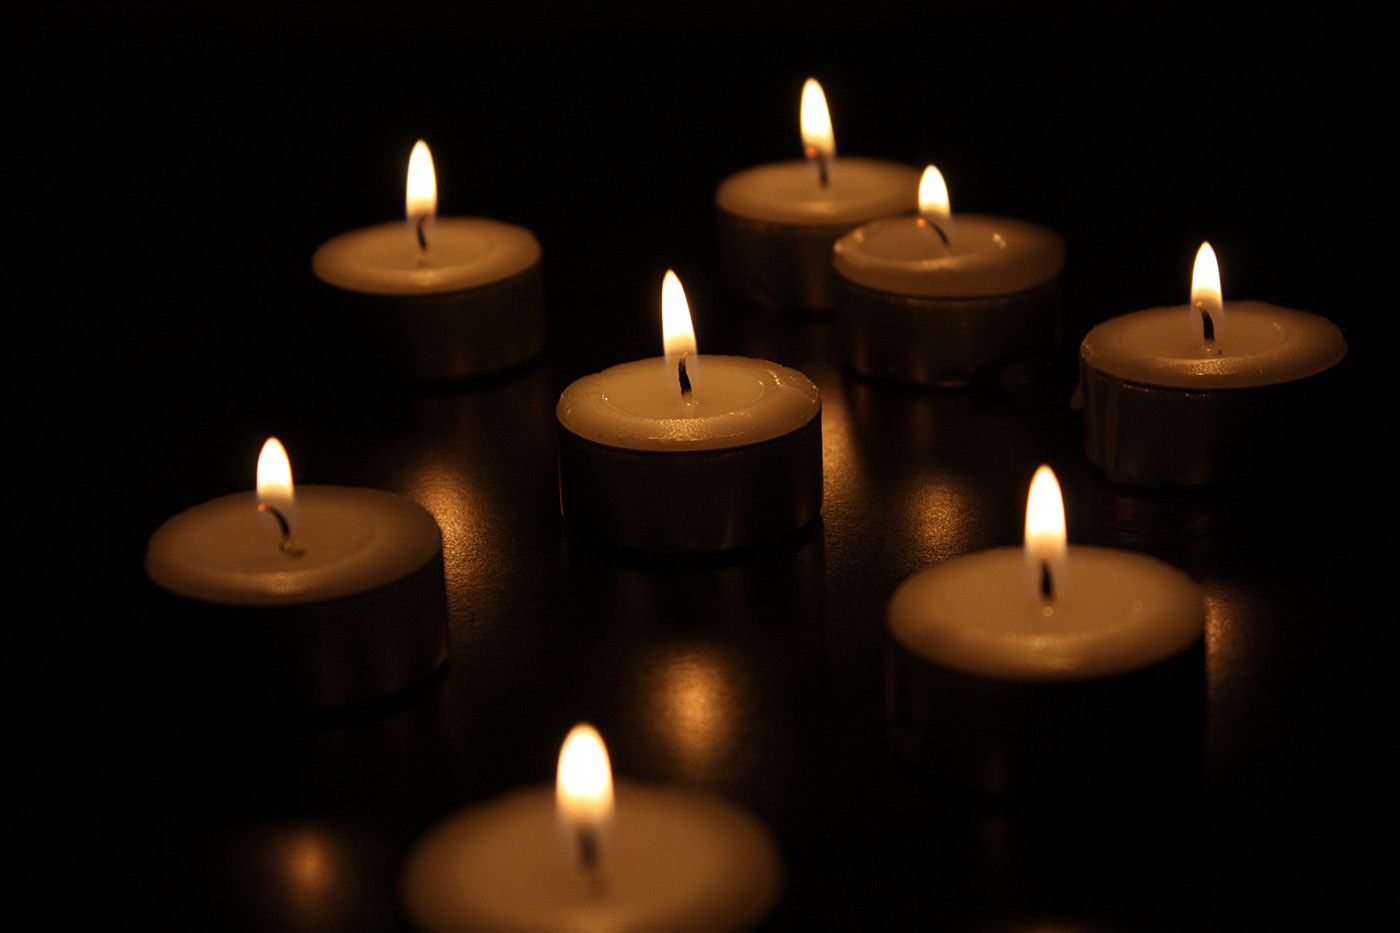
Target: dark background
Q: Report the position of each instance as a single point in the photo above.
(205, 153)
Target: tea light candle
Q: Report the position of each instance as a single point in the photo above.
(1013, 667)
(315, 596)
(436, 298)
(936, 299)
(585, 856)
(778, 222)
(1201, 394)
(690, 452)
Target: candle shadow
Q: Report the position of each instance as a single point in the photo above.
(1021, 860)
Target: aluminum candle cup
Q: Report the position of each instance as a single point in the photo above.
(434, 298)
(356, 609)
(914, 308)
(777, 222)
(997, 698)
(474, 305)
(998, 687)
(1165, 407)
(738, 463)
(777, 225)
(689, 452)
(1159, 413)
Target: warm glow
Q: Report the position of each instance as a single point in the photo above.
(308, 872)
(1045, 530)
(933, 199)
(275, 480)
(583, 790)
(421, 199)
(818, 141)
(677, 333)
(696, 701)
(1205, 290)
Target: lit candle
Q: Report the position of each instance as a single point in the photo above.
(1202, 393)
(935, 298)
(313, 596)
(436, 297)
(779, 221)
(690, 452)
(1013, 667)
(585, 855)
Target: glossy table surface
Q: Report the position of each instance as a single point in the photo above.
(758, 675)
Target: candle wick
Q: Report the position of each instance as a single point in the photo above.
(684, 376)
(1207, 323)
(422, 239)
(286, 545)
(1047, 582)
(590, 858)
(925, 222)
(823, 173)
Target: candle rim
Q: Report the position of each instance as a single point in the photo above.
(736, 883)
(851, 198)
(354, 260)
(1311, 344)
(388, 556)
(934, 638)
(788, 401)
(977, 266)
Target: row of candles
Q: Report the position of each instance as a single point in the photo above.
(700, 453)
(351, 581)
(920, 294)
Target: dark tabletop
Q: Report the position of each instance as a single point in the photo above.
(212, 152)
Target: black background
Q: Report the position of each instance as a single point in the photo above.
(188, 161)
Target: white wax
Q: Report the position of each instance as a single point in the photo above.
(1256, 344)
(1116, 612)
(348, 541)
(675, 861)
(735, 401)
(985, 256)
(463, 253)
(791, 192)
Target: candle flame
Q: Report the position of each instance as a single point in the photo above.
(677, 332)
(1205, 291)
(420, 201)
(818, 140)
(275, 489)
(1045, 547)
(934, 206)
(583, 790)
